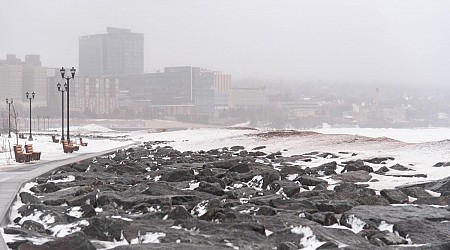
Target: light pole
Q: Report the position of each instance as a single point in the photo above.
(9, 102)
(30, 97)
(63, 71)
(62, 90)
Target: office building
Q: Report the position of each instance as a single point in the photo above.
(117, 52)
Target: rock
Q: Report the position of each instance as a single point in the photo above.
(75, 241)
(287, 246)
(212, 188)
(354, 176)
(394, 196)
(237, 148)
(400, 167)
(423, 231)
(179, 213)
(266, 211)
(388, 238)
(382, 170)
(211, 179)
(311, 181)
(442, 164)
(33, 226)
(88, 211)
(395, 214)
(28, 198)
(14, 245)
(289, 188)
(48, 187)
(334, 206)
(101, 228)
(357, 166)
(416, 192)
(178, 175)
(259, 148)
(352, 190)
(294, 171)
(240, 168)
(379, 160)
(323, 218)
(373, 200)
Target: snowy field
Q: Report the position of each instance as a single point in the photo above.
(418, 149)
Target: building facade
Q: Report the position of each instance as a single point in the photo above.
(117, 52)
(18, 77)
(94, 95)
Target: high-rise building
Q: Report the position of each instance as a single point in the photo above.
(118, 52)
(17, 77)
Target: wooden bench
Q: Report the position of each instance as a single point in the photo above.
(35, 156)
(20, 155)
(83, 143)
(68, 147)
(54, 139)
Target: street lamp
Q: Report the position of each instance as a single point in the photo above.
(63, 72)
(62, 89)
(30, 138)
(9, 102)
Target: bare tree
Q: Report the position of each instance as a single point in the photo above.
(15, 129)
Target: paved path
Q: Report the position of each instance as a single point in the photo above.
(13, 178)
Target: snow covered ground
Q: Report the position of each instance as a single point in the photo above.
(418, 149)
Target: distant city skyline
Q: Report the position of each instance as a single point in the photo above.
(335, 41)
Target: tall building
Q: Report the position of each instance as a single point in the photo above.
(117, 52)
(17, 78)
(34, 78)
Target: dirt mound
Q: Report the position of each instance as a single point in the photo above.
(285, 133)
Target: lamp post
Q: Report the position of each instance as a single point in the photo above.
(30, 97)
(9, 102)
(72, 72)
(62, 89)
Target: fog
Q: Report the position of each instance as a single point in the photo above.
(364, 41)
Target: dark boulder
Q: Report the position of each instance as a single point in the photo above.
(240, 168)
(75, 241)
(400, 167)
(179, 213)
(354, 176)
(212, 188)
(311, 181)
(33, 226)
(178, 175)
(335, 206)
(88, 211)
(28, 198)
(394, 196)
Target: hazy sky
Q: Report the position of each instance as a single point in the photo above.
(373, 41)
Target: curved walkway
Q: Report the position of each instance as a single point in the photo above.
(12, 179)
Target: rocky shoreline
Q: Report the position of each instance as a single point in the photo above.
(156, 197)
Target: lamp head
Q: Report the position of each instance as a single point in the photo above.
(72, 71)
(33, 94)
(63, 71)
(59, 86)
(7, 100)
(27, 94)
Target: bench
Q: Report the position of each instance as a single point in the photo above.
(54, 139)
(68, 147)
(35, 156)
(20, 155)
(83, 143)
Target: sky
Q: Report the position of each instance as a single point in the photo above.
(367, 41)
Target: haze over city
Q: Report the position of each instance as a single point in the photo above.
(374, 42)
